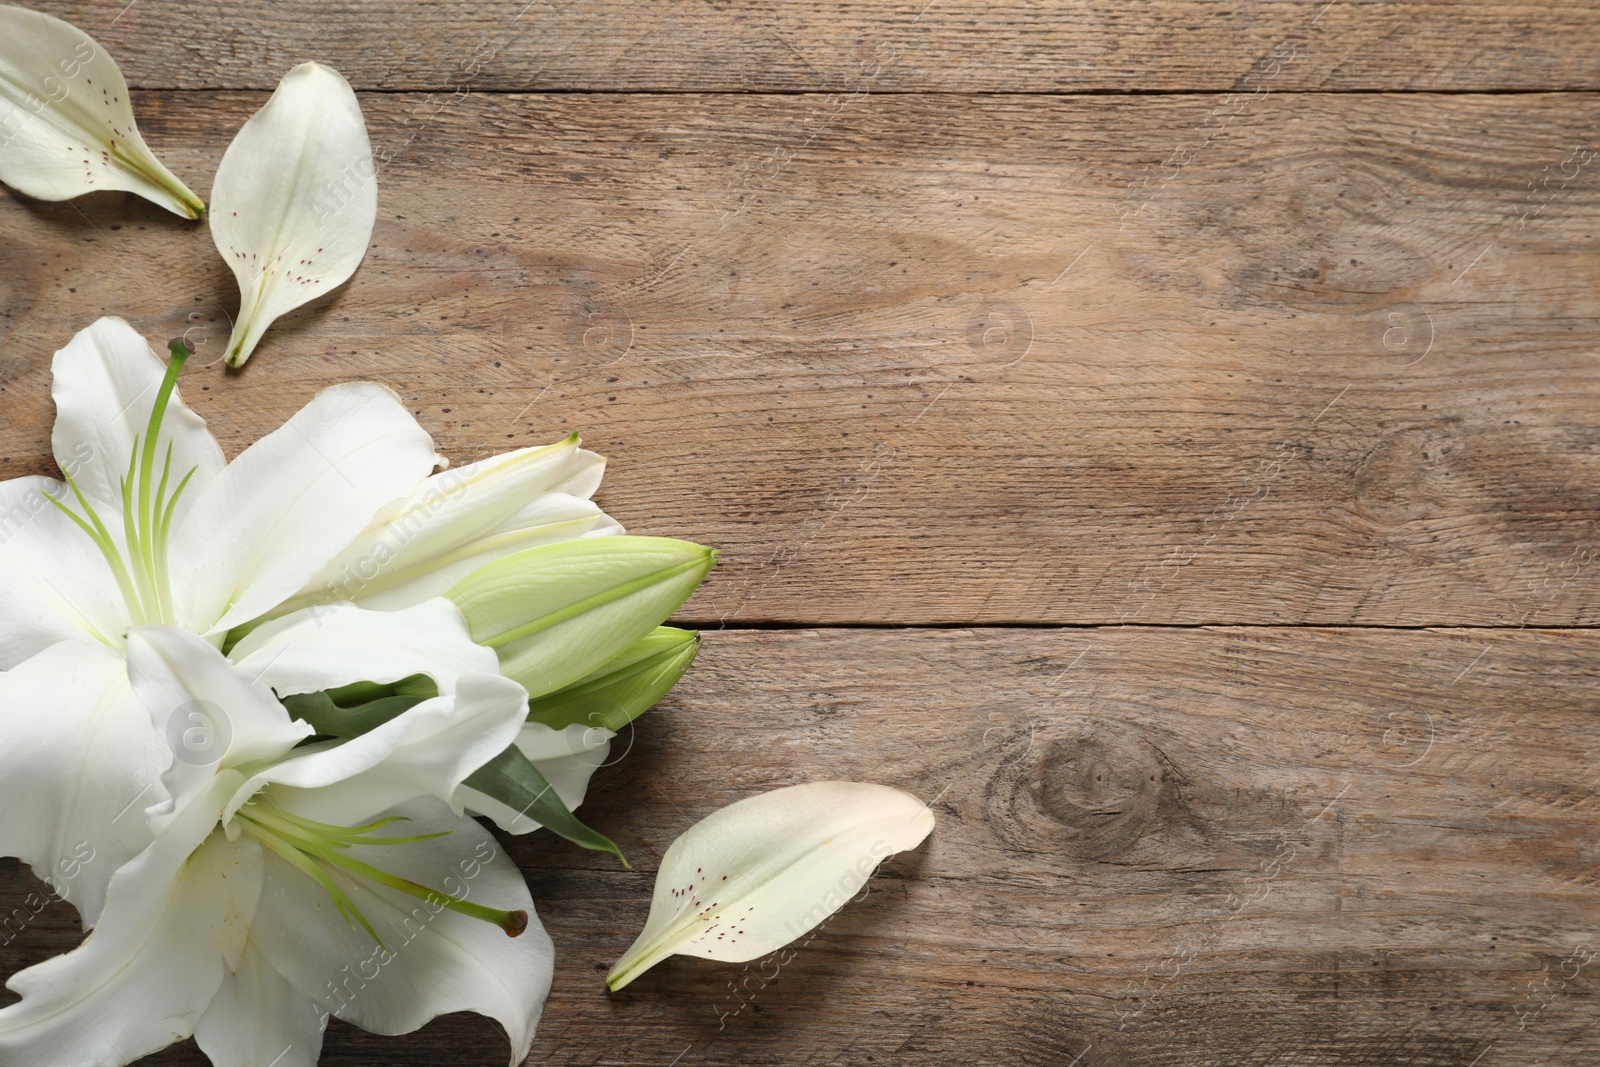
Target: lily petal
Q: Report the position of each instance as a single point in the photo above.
(558, 612)
(259, 1020)
(209, 712)
(294, 500)
(462, 518)
(66, 122)
(106, 381)
(437, 960)
(426, 750)
(54, 584)
(294, 200)
(324, 648)
(79, 763)
(750, 878)
(176, 919)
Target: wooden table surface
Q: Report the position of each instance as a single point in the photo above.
(1165, 436)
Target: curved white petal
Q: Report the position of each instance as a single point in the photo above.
(437, 961)
(541, 744)
(257, 1019)
(750, 878)
(294, 200)
(567, 758)
(292, 501)
(462, 518)
(106, 381)
(54, 583)
(427, 750)
(66, 123)
(79, 763)
(210, 713)
(327, 647)
(176, 919)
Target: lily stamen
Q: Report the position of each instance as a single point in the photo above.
(310, 841)
(142, 572)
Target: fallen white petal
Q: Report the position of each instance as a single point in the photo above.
(750, 878)
(294, 200)
(66, 123)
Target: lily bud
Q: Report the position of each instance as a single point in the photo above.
(557, 613)
(624, 687)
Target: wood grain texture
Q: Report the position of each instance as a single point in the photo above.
(1339, 367)
(1278, 344)
(946, 46)
(1155, 847)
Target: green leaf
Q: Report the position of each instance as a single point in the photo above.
(624, 687)
(332, 720)
(513, 780)
(358, 693)
(558, 612)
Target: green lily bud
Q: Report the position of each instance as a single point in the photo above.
(624, 687)
(558, 612)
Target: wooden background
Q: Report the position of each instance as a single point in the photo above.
(1162, 435)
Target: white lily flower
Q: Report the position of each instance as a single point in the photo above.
(152, 527)
(288, 882)
(294, 200)
(761, 872)
(66, 122)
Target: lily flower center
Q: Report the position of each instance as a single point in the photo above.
(304, 842)
(140, 563)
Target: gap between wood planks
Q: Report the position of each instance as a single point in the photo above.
(942, 93)
(714, 626)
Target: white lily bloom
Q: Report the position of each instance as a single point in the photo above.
(66, 122)
(271, 895)
(294, 200)
(753, 876)
(152, 527)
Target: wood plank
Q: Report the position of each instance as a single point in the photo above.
(1155, 846)
(953, 360)
(857, 45)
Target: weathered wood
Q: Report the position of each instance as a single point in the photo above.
(851, 45)
(1155, 846)
(923, 359)
(1267, 349)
